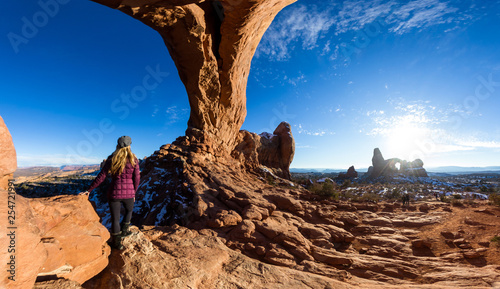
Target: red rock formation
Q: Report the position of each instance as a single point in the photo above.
(8, 161)
(180, 258)
(212, 44)
(351, 174)
(58, 237)
(383, 167)
(273, 151)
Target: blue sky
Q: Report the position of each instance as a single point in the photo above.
(418, 79)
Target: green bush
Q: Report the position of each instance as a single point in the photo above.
(494, 199)
(346, 184)
(270, 180)
(496, 240)
(370, 197)
(456, 203)
(326, 189)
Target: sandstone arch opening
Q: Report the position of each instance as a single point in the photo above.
(212, 55)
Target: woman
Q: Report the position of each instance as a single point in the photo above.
(123, 167)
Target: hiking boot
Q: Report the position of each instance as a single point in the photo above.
(126, 230)
(116, 241)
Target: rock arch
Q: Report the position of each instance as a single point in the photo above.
(212, 44)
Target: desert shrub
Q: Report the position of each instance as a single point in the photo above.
(349, 195)
(270, 180)
(494, 199)
(495, 239)
(457, 197)
(345, 184)
(456, 203)
(395, 194)
(370, 197)
(485, 189)
(326, 189)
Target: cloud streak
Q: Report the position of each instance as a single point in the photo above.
(305, 26)
(302, 25)
(318, 132)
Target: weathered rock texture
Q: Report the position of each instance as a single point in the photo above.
(212, 44)
(177, 257)
(273, 151)
(58, 237)
(387, 168)
(8, 161)
(277, 224)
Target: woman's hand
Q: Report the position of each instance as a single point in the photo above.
(86, 193)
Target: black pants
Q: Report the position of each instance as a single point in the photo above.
(115, 207)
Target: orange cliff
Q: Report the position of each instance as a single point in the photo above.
(49, 238)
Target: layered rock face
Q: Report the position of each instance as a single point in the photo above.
(8, 161)
(273, 151)
(155, 258)
(58, 237)
(212, 44)
(387, 168)
(61, 238)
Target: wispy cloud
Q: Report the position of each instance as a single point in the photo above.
(295, 80)
(305, 26)
(304, 147)
(175, 114)
(301, 25)
(317, 132)
(418, 14)
(476, 144)
(354, 15)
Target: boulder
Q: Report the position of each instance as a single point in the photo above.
(61, 238)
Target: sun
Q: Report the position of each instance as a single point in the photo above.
(404, 139)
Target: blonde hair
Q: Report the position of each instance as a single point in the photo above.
(119, 159)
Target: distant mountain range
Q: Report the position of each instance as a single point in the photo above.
(40, 170)
(464, 170)
(444, 169)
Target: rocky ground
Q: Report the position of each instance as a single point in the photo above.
(428, 245)
(213, 225)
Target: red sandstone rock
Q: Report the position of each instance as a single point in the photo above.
(273, 151)
(58, 237)
(180, 258)
(212, 47)
(8, 161)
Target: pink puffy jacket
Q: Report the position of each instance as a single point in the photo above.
(122, 186)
